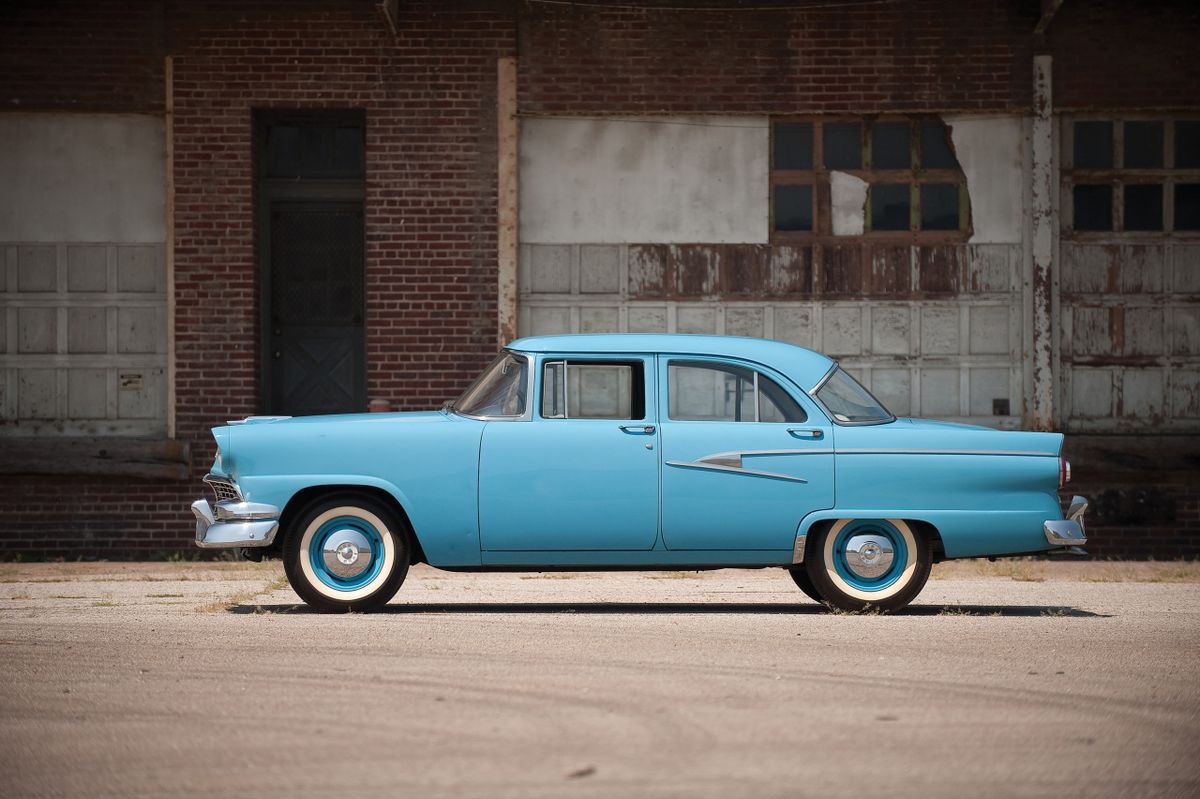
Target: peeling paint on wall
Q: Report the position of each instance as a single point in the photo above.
(989, 150)
(848, 203)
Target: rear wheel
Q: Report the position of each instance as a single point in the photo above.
(805, 584)
(869, 564)
(346, 552)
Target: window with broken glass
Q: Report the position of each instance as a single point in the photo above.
(1131, 175)
(876, 177)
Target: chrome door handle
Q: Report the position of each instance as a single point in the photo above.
(645, 429)
(799, 433)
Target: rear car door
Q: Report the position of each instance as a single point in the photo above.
(746, 456)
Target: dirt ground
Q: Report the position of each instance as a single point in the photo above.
(1017, 678)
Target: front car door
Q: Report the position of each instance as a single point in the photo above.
(582, 473)
(746, 455)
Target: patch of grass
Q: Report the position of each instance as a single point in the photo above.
(953, 611)
(105, 603)
(164, 596)
(675, 575)
(242, 597)
(16, 597)
(67, 596)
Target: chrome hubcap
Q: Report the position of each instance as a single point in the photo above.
(347, 553)
(869, 556)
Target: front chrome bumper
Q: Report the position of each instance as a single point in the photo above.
(1068, 532)
(235, 524)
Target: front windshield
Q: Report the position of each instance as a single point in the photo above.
(849, 402)
(499, 391)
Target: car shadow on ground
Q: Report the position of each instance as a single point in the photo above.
(683, 608)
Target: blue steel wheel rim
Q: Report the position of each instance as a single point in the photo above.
(341, 525)
(877, 527)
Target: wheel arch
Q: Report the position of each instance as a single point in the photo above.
(819, 521)
(306, 496)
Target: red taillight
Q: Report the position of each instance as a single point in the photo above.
(1064, 472)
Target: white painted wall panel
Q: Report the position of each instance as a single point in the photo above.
(678, 180)
(991, 153)
(81, 177)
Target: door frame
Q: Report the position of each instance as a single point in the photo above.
(316, 190)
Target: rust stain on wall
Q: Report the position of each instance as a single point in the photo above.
(891, 271)
(940, 269)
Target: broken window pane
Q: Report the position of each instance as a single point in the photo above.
(935, 151)
(1093, 207)
(939, 206)
(891, 145)
(1187, 144)
(793, 145)
(890, 203)
(793, 208)
(1143, 207)
(1187, 206)
(1143, 145)
(843, 145)
(1093, 145)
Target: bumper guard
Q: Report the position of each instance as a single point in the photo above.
(235, 524)
(1068, 532)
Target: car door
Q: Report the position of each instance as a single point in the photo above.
(744, 458)
(582, 473)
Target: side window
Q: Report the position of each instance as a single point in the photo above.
(717, 392)
(593, 390)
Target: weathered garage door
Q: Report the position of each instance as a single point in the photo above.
(665, 226)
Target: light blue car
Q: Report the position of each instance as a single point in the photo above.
(637, 452)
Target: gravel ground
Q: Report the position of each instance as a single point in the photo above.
(1007, 679)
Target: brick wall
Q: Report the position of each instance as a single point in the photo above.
(105, 55)
(950, 55)
(428, 94)
(429, 98)
(1118, 54)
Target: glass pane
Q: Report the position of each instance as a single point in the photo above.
(848, 401)
(939, 206)
(775, 404)
(890, 203)
(554, 405)
(935, 151)
(1093, 207)
(1187, 206)
(1143, 207)
(793, 145)
(499, 391)
(1093, 145)
(793, 208)
(1187, 144)
(599, 391)
(1143, 145)
(710, 393)
(842, 145)
(891, 145)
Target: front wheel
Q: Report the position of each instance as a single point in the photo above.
(347, 552)
(869, 564)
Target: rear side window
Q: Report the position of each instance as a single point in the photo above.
(717, 392)
(593, 390)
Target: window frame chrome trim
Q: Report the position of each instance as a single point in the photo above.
(832, 417)
(525, 416)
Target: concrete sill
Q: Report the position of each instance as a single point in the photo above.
(154, 459)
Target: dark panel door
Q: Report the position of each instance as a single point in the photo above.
(316, 349)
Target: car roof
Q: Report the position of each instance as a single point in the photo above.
(802, 365)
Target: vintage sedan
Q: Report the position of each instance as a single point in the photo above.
(595, 452)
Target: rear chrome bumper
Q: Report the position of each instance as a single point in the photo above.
(1068, 532)
(235, 524)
